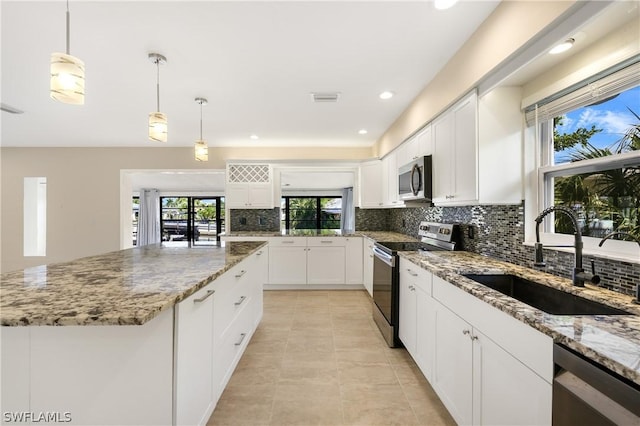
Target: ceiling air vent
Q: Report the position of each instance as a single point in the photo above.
(325, 97)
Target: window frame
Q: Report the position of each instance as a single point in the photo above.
(545, 170)
(318, 220)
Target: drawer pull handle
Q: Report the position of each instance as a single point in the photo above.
(239, 302)
(465, 332)
(242, 336)
(241, 273)
(326, 242)
(473, 337)
(413, 274)
(209, 293)
(259, 253)
(288, 242)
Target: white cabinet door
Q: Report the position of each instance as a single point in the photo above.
(287, 264)
(370, 194)
(368, 265)
(407, 321)
(249, 196)
(390, 181)
(425, 325)
(453, 364)
(354, 261)
(443, 158)
(505, 391)
(194, 370)
(465, 155)
(424, 145)
(325, 265)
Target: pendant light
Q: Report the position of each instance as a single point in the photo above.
(67, 74)
(202, 150)
(157, 120)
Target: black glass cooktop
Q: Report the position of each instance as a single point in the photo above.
(406, 246)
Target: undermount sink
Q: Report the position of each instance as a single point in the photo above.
(542, 297)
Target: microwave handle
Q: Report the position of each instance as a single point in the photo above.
(415, 169)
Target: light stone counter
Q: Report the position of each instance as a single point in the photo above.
(611, 340)
(386, 236)
(126, 287)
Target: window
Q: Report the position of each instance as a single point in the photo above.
(310, 212)
(591, 156)
(135, 212)
(35, 216)
(191, 220)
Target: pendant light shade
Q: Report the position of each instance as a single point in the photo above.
(201, 148)
(67, 75)
(158, 126)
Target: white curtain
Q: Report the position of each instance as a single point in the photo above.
(149, 217)
(348, 216)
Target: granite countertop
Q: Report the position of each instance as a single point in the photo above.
(374, 235)
(126, 287)
(611, 340)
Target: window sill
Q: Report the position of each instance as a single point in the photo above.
(599, 253)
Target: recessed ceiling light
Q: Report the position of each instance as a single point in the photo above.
(362, 132)
(254, 137)
(444, 4)
(386, 95)
(562, 47)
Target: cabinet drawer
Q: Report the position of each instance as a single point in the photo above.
(417, 275)
(528, 345)
(227, 307)
(228, 350)
(288, 241)
(326, 242)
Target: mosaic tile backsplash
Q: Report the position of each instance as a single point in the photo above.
(254, 219)
(498, 232)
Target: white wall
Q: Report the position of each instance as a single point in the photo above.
(84, 191)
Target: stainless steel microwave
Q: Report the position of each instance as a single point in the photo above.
(415, 180)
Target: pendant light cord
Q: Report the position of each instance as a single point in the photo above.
(200, 120)
(158, 84)
(68, 29)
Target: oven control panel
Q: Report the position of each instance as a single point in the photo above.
(437, 231)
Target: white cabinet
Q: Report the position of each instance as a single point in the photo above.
(353, 260)
(288, 260)
(194, 370)
(249, 196)
(488, 368)
(368, 265)
(325, 260)
(249, 186)
(416, 327)
(415, 147)
(371, 194)
(455, 154)
(390, 181)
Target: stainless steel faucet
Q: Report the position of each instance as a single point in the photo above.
(579, 275)
(633, 237)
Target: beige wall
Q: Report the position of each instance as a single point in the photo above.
(83, 191)
(508, 28)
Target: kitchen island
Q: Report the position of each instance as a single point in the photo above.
(147, 335)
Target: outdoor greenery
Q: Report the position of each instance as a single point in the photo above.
(303, 213)
(606, 200)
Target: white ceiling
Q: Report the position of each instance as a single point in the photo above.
(256, 63)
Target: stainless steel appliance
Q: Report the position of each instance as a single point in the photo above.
(586, 393)
(386, 279)
(415, 180)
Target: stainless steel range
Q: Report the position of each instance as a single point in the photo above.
(386, 279)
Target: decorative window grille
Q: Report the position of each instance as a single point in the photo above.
(248, 173)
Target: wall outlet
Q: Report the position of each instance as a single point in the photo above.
(243, 221)
(404, 223)
(471, 232)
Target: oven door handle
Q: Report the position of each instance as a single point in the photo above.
(385, 257)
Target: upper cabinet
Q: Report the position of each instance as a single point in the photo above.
(390, 194)
(249, 186)
(371, 191)
(415, 147)
(477, 150)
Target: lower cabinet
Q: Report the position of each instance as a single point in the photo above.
(288, 260)
(194, 346)
(479, 380)
(416, 327)
(486, 366)
(368, 265)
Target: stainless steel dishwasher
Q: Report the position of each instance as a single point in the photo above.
(586, 393)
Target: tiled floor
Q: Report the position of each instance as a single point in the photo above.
(317, 358)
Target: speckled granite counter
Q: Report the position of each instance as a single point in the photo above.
(126, 287)
(613, 341)
(374, 235)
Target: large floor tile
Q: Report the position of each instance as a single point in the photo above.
(324, 412)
